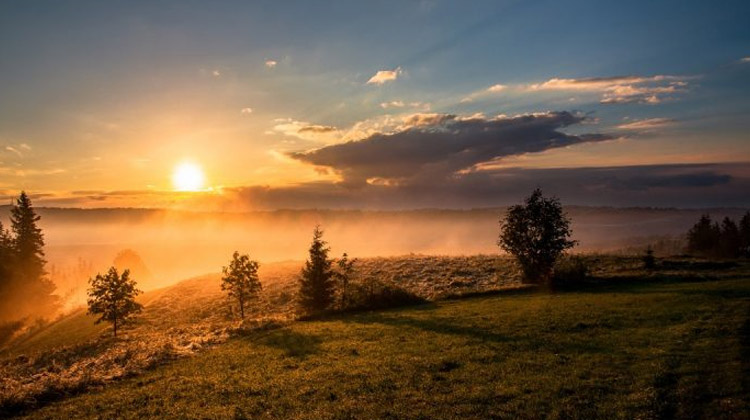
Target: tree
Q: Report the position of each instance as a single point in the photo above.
(745, 235)
(28, 279)
(649, 261)
(729, 239)
(29, 240)
(7, 254)
(536, 234)
(344, 275)
(703, 237)
(240, 280)
(112, 296)
(316, 280)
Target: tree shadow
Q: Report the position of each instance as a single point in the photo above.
(439, 326)
(294, 344)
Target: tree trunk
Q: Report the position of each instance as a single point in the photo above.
(115, 326)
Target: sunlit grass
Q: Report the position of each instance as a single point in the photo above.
(648, 350)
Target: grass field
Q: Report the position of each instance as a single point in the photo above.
(658, 348)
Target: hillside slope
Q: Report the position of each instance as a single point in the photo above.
(670, 349)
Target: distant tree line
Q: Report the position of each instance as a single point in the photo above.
(726, 240)
(25, 288)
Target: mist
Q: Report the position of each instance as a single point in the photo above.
(166, 246)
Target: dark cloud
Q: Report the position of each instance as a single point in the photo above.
(695, 185)
(436, 146)
(317, 129)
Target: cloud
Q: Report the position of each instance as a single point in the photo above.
(622, 89)
(425, 106)
(392, 104)
(647, 124)
(384, 76)
(496, 88)
(669, 185)
(216, 73)
(271, 63)
(437, 146)
(246, 111)
(306, 131)
(14, 150)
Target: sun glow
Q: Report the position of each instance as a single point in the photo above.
(188, 176)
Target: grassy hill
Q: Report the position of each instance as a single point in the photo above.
(654, 346)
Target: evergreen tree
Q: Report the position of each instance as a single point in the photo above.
(729, 240)
(7, 254)
(28, 238)
(112, 297)
(744, 229)
(316, 280)
(703, 237)
(536, 234)
(28, 278)
(241, 281)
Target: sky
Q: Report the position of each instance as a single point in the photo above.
(235, 105)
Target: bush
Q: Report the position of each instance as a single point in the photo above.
(374, 294)
(570, 271)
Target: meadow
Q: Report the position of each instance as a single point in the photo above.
(667, 343)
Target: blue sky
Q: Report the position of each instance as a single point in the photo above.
(102, 99)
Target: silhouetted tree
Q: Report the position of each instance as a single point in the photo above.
(112, 297)
(28, 279)
(316, 280)
(536, 234)
(703, 237)
(649, 261)
(745, 235)
(344, 276)
(7, 254)
(241, 281)
(729, 239)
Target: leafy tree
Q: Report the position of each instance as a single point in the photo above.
(112, 296)
(536, 234)
(744, 229)
(729, 239)
(316, 280)
(344, 276)
(240, 280)
(703, 237)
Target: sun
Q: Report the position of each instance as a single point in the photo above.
(188, 176)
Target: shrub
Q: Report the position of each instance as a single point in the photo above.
(570, 271)
(374, 294)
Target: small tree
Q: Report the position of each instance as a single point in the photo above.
(344, 276)
(536, 234)
(316, 280)
(745, 235)
(649, 261)
(241, 281)
(112, 296)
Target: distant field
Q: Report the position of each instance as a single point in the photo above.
(654, 346)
